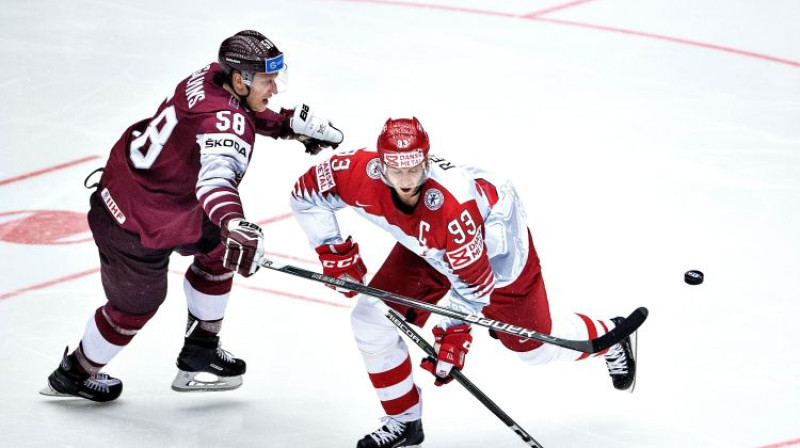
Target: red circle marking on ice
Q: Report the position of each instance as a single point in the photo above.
(44, 227)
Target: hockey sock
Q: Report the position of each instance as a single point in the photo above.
(572, 326)
(107, 333)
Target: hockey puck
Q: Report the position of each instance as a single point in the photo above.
(693, 277)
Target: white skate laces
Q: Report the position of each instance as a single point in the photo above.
(389, 432)
(225, 355)
(100, 383)
(616, 360)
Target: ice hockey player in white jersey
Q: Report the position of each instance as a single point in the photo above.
(459, 230)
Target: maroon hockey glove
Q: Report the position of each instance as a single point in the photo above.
(342, 261)
(452, 346)
(244, 246)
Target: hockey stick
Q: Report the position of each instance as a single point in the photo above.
(412, 334)
(613, 337)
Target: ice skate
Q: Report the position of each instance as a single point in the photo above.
(69, 381)
(621, 362)
(393, 434)
(203, 367)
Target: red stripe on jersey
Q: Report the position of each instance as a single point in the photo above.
(488, 190)
(392, 376)
(478, 276)
(401, 404)
(592, 332)
(486, 285)
(306, 184)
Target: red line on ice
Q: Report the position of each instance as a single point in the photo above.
(782, 444)
(536, 16)
(47, 170)
(293, 296)
(678, 40)
(49, 283)
(290, 257)
(274, 219)
(441, 7)
(542, 12)
(279, 293)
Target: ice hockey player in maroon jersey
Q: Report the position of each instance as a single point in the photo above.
(171, 184)
(459, 230)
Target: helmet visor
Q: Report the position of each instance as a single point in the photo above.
(275, 65)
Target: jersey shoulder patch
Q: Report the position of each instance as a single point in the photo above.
(325, 179)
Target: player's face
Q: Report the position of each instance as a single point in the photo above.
(406, 181)
(262, 88)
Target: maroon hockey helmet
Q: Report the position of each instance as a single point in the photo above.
(251, 52)
(403, 143)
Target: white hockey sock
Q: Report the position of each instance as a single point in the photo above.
(569, 326)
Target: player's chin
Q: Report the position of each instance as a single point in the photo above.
(260, 106)
(408, 192)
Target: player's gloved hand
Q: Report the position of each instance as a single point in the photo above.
(244, 246)
(342, 261)
(313, 131)
(451, 346)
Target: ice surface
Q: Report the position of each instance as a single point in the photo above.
(638, 156)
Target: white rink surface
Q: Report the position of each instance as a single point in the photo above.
(637, 159)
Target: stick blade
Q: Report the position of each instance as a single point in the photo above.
(621, 331)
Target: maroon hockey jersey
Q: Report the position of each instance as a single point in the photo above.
(167, 171)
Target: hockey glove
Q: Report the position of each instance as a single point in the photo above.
(244, 246)
(314, 132)
(342, 261)
(451, 346)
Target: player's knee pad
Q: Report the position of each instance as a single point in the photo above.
(563, 326)
(373, 332)
(209, 278)
(547, 353)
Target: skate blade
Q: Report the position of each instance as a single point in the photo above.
(196, 382)
(635, 346)
(49, 392)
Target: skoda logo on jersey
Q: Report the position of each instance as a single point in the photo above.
(374, 168)
(434, 199)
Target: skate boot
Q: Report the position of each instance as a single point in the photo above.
(69, 380)
(621, 361)
(393, 434)
(204, 366)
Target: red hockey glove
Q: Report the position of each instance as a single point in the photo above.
(244, 246)
(452, 346)
(342, 261)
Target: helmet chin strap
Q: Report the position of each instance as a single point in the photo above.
(246, 77)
